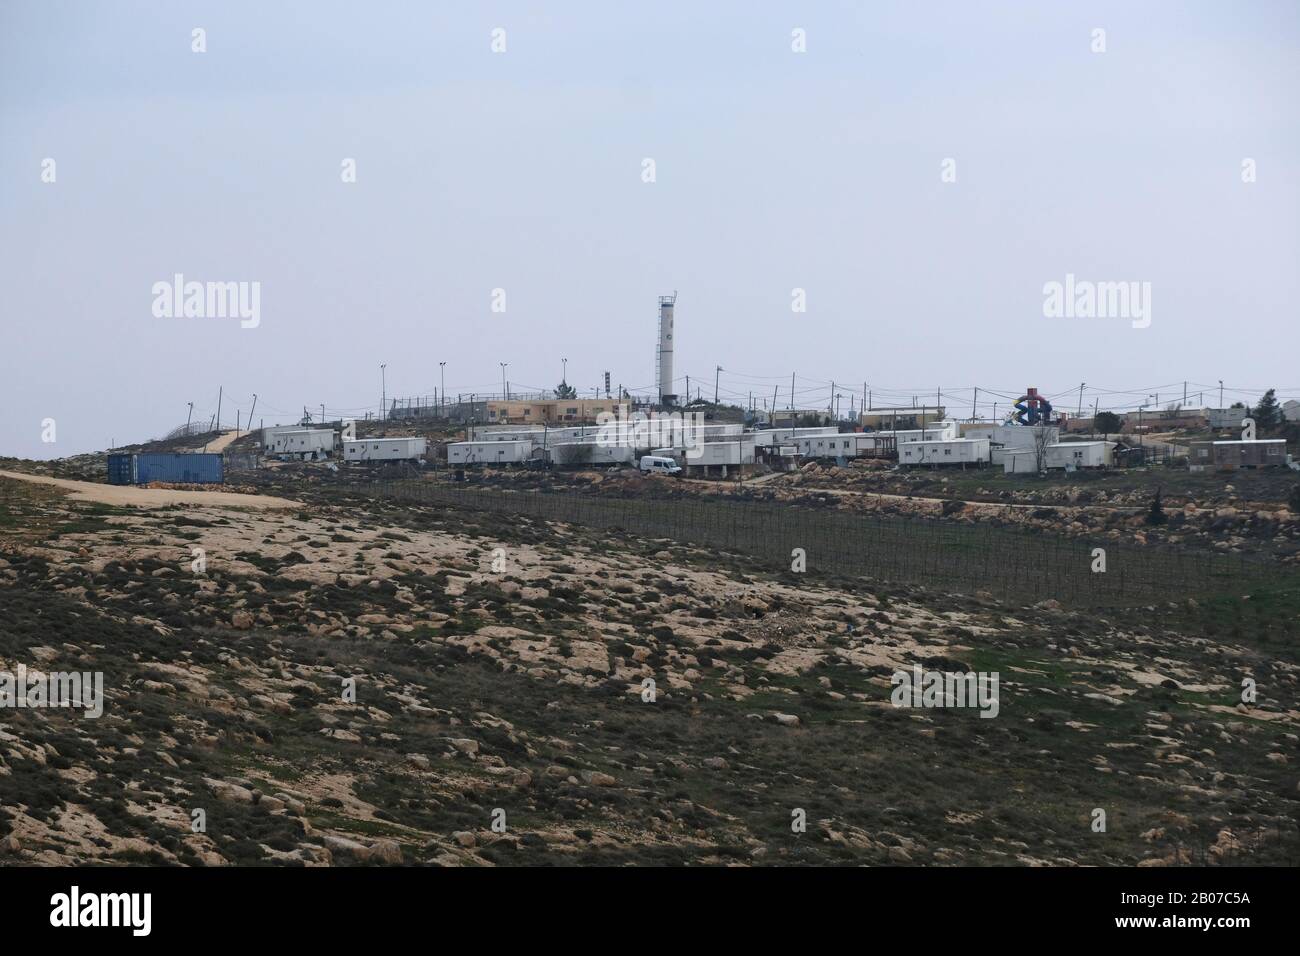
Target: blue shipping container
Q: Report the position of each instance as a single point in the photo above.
(121, 469)
(195, 468)
(192, 468)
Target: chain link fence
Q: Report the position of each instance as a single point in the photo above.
(1023, 566)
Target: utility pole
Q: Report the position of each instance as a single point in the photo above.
(505, 389)
(251, 410)
(442, 385)
(1079, 413)
(1220, 393)
(1184, 394)
(832, 408)
(717, 374)
(792, 398)
(974, 402)
(188, 417)
(322, 413)
(383, 385)
(220, 389)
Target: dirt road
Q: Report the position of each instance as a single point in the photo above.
(129, 495)
(220, 442)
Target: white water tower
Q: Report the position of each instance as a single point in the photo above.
(664, 356)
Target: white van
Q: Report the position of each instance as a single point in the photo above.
(658, 465)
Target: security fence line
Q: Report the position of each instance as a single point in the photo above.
(1020, 565)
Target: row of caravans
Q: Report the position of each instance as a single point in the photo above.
(299, 443)
(719, 446)
(1015, 448)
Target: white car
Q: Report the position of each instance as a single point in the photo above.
(658, 465)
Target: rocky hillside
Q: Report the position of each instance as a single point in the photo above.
(369, 683)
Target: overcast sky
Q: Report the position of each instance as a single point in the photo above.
(524, 171)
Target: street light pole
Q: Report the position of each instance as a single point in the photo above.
(504, 391)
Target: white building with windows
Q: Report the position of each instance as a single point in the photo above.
(1067, 455)
(489, 452)
(294, 442)
(949, 451)
(384, 449)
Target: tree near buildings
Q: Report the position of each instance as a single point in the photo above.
(1267, 414)
(1107, 423)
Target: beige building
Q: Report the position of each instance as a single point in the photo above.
(554, 411)
(901, 418)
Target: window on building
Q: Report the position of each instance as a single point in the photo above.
(947, 451)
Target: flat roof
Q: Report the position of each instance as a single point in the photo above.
(1239, 441)
(904, 408)
(362, 441)
(513, 441)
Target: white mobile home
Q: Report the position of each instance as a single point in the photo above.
(938, 431)
(486, 433)
(537, 434)
(785, 436)
(1225, 419)
(1070, 454)
(580, 453)
(950, 451)
(720, 453)
(1012, 436)
(828, 446)
(1230, 455)
(489, 452)
(1081, 454)
(720, 431)
(298, 442)
(384, 449)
